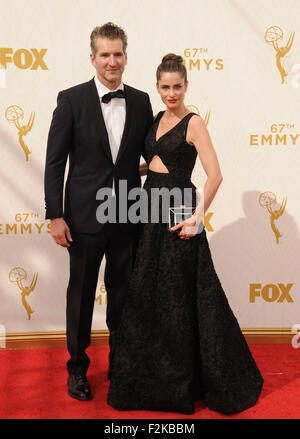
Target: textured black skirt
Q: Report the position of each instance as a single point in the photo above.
(179, 340)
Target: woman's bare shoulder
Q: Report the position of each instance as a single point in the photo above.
(196, 121)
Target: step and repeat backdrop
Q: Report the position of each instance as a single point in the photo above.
(243, 63)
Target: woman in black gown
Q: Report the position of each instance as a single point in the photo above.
(179, 340)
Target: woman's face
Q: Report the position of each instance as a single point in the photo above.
(172, 87)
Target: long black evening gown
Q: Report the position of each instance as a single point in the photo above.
(178, 340)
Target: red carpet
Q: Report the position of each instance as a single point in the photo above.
(33, 386)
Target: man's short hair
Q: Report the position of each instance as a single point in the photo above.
(108, 30)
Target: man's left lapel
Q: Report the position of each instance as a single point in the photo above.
(129, 123)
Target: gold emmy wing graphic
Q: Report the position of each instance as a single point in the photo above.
(194, 109)
(266, 199)
(13, 115)
(272, 35)
(18, 275)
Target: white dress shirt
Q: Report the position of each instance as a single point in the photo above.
(114, 114)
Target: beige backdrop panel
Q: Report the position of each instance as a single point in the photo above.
(234, 82)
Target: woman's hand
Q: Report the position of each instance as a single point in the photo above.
(189, 228)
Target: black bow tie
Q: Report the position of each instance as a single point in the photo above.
(113, 94)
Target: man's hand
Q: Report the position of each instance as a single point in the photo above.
(143, 168)
(60, 231)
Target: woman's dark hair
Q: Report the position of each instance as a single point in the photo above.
(171, 63)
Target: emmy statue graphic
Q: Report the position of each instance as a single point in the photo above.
(194, 109)
(17, 275)
(266, 199)
(13, 114)
(272, 35)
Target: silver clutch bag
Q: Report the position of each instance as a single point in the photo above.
(182, 213)
(179, 214)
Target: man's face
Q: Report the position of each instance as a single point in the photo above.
(109, 61)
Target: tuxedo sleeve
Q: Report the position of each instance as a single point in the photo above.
(58, 147)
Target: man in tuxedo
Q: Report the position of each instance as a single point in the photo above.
(100, 126)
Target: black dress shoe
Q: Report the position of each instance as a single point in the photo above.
(78, 387)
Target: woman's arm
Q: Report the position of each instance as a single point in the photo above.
(198, 136)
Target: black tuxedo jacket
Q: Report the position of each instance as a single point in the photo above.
(78, 132)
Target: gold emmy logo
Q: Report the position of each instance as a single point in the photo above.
(18, 275)
(193, 59)
(25, 223)
(194, 109)
(272, 35)
(266, 199)
(102, 297)
(13, 114)
(279, 135)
